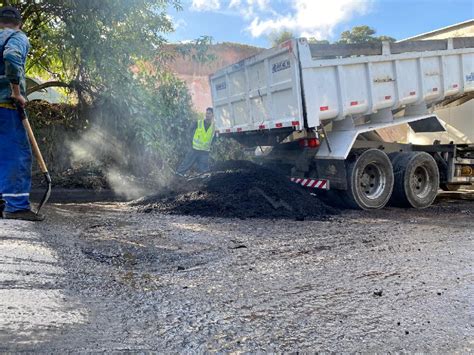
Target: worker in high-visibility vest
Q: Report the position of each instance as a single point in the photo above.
(198, 156)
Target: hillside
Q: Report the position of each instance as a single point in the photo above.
(196, 75)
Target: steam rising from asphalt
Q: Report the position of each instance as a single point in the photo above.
(93, 144)
(97, 145)
(123, 185)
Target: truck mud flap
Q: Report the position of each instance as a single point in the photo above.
(333, 171)
(312, 183)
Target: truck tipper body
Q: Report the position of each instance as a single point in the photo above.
(316, 109)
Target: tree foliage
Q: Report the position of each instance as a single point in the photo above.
(279, 37)
(112, 55)
(358, 34)
(90, 45)
(317, 41)
(362, 34)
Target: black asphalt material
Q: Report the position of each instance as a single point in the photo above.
(239, 189)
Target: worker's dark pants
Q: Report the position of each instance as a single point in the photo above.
(197, 158)
(15, 162)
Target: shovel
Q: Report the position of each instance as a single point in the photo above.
(37, 153)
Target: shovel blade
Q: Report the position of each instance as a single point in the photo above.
(47, 193)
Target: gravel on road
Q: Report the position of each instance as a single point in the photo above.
(112, 279)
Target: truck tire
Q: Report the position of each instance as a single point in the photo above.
(450, 187)
(334, 198)
(416, 179)
(369, 180)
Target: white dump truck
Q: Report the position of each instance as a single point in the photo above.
(316, 109)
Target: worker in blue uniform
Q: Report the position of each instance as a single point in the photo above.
(15, 150)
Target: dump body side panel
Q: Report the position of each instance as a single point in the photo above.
(355, 86)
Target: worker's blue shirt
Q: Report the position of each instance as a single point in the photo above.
(15, 47)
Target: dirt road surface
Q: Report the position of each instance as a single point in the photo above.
(102, 277)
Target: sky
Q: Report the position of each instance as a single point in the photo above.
(251, 21)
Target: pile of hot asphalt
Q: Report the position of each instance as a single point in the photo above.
(238, 189)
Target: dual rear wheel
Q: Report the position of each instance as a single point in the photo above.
(408, 179)
(416, 179)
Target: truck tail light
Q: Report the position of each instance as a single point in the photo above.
(309, 143)
(313, 142)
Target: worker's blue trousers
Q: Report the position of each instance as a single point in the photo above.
(15, 162)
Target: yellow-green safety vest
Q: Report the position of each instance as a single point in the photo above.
(202, 139)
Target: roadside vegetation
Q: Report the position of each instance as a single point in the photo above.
(110, 59)
(358, 34)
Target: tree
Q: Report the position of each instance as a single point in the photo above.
(362, 34)
(90, 45)
(317, 41)
(358, 34)
(112, 55)
(277, 38)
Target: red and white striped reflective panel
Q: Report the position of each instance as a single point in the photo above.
(313, 183)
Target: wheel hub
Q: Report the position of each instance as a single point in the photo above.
(372, 181)
(420, 182)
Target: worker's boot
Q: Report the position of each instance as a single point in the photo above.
(26, 215)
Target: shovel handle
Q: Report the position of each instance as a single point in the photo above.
(31, 136)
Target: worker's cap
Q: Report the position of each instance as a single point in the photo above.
(210, 109)
(10, 13)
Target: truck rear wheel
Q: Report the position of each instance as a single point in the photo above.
(416, 179)
(450, 187)
(369, 180)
